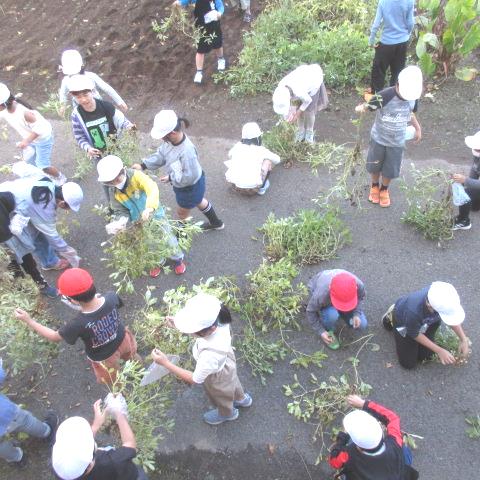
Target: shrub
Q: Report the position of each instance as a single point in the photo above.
(307, 237)
(289, 33)
(126, 146)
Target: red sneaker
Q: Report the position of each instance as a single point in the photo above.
(180, 268)
(155, 272)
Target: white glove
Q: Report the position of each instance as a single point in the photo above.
(116, 404)
(71, 255)
(18, 223)
(116, 226)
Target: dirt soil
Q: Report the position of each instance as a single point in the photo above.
(117, 42)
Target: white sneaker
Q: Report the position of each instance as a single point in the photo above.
(300, 135)
(221, 64)
(309, 137)
(198, 77)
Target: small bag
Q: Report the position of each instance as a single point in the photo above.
(460, 196)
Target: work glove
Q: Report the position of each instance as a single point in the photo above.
(115, 404)
(116, 226)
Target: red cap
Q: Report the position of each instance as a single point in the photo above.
(343, 292)
(74, 281)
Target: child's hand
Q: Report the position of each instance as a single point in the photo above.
(360, 108)
(165, 179)
(159, 357)
(459, 178)
(136, 166)
(123, 107)
(418, 135)
(355, 401)
(23, 144)
(93, 152)
(22, 315)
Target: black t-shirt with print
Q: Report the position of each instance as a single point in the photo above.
(99, 123)
(102, 331)
(114, 464)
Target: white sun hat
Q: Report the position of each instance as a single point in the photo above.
(73, 194)
(472, 141)
(4, 93)
(164, 122)
(281, 100)
(444, 299)
(199, 312)
(72, 62)
(251, 130)
(410, 83)
(74, 448)
(364, 430)
(79, 83)
(109, 167)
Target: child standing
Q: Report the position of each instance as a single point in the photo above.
(207, 319)
(35, 130)
(185, 174)
(471, 184)
(207, 14)
(249, 163)
(395, 107)
(106, 339)
(72, 64)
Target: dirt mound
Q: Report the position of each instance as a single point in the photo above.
(116, 40)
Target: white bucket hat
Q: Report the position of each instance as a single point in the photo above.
(472, 141)
(73, 449)
(72, 62)
(251, 130)
(109, 167)
(281, 100)
(364, 430)
(79, 83)
(164, 122)
(73, 194)
(199, 312)
(444, 299)
(4, 93)
(410, 83)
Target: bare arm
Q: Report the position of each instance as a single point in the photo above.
(44, 331)
(445, 356)
(160, 358)
(126, 433)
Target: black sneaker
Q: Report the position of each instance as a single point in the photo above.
(51, 419)
(387, 323)
(460, 224)
(205, 226)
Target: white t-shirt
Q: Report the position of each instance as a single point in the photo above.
(209, 361)
(16, 120)
(245, 164)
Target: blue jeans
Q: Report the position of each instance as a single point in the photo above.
(330, 316)
(25, 422)
(43, 153)
(44, 252)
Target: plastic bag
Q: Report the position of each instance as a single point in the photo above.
(116, 226)
(460, 196)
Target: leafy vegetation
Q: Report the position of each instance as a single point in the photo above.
(126, 146)
(54, 106)
(473, 429)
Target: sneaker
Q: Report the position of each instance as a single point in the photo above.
(180, 268)
(262, 190)
(221, 64)
(212, 417)
(22, 463)
(387, 322)
(198, 77)
(247, 17)
(51, 419)
(155, 272)
(208, 226)
(460, 224)
(245, 403)
(62, 264)
(384, 199)
(309, 137)
(300, 136)
(49, 291)
(374, 195)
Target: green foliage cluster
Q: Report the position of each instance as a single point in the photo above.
(291, 32)
(307, 237)
(473, 429)
(126, 146)
(54, 106)
(448, 31)
(20, 347)
(429, 205)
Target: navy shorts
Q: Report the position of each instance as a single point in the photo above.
(189, 197)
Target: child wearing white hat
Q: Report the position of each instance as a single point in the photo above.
(395, 107)
(72, 64)
(250, 163)
(471, 184)
(208, 320)
(36, 132)
(364, 451)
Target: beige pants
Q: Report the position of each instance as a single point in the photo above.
(224, 387)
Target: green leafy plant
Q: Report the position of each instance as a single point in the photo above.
(291, 32)
(272, 300)
(54, 106)
(19, 346)
(446, 338)
(448, 30)
(141, 247)
(429, 205)
(83, 164)
(473, 429)
(147, 410)
(307, 237)
(126, 146)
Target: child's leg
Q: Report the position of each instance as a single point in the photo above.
(219, 52)
(207, 209)
(329, 316)
(199, 60)
(183, 213)
(300, 136)
(9, 452)
(26, 422)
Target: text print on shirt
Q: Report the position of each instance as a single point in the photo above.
(105, 329)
